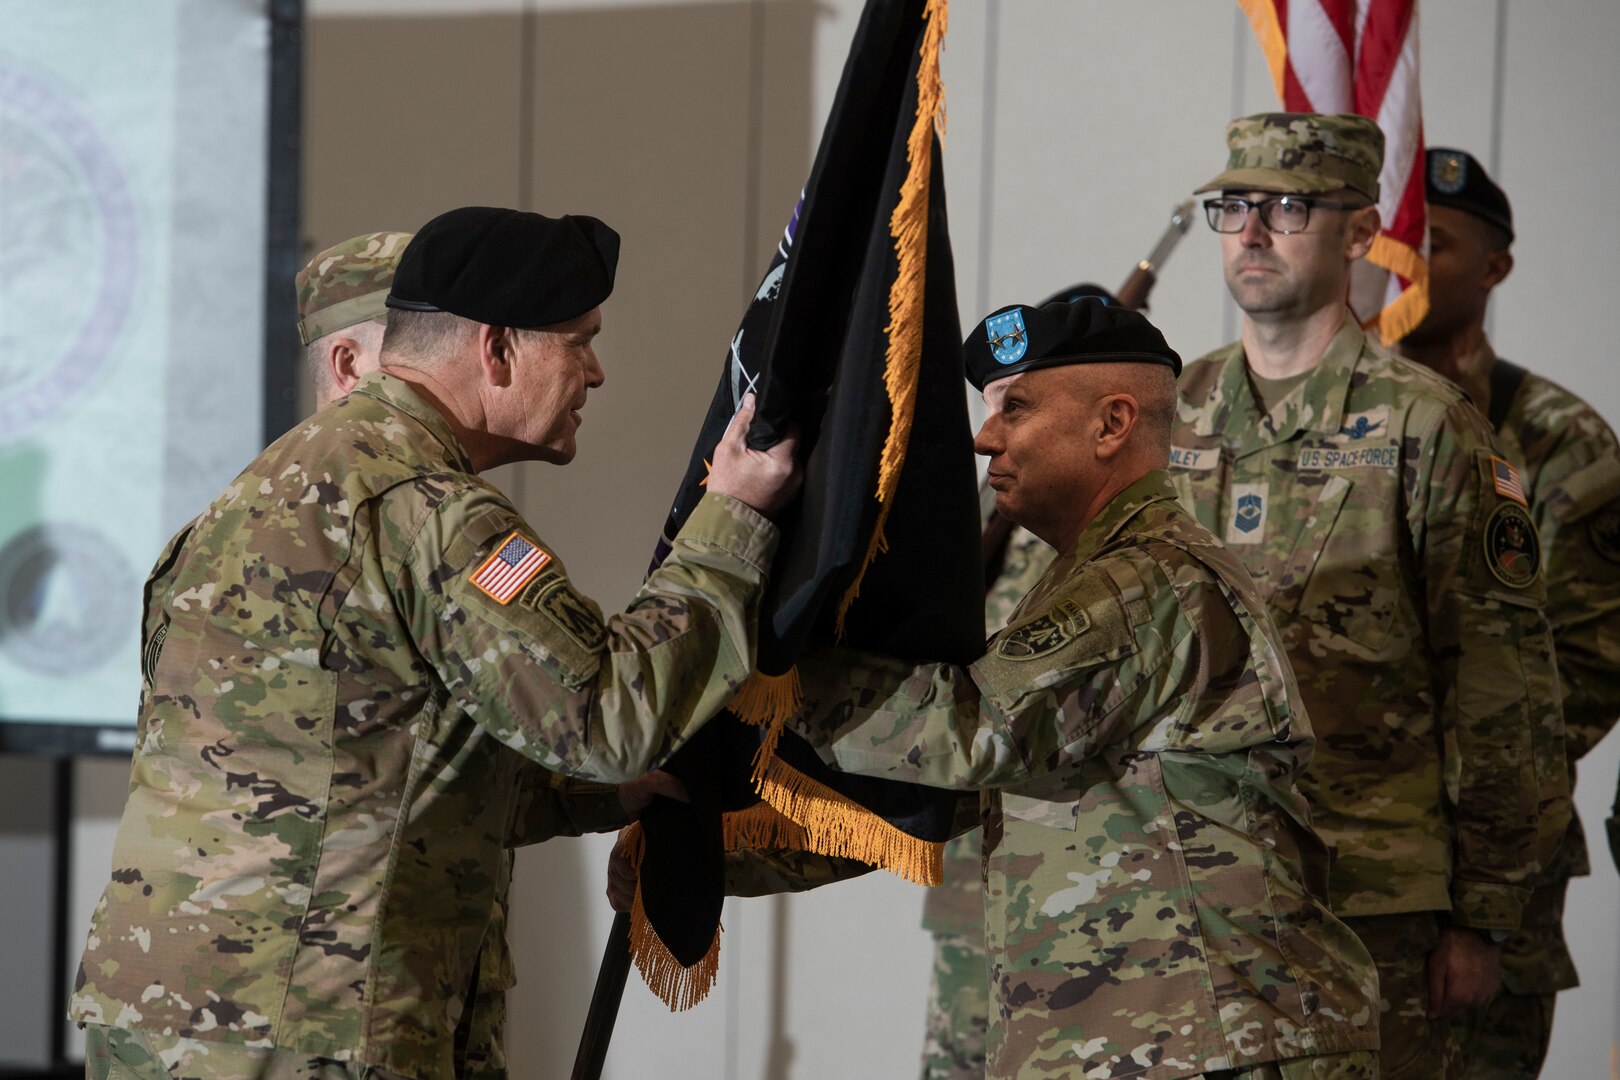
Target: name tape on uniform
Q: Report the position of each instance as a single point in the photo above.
(1183, 457)
(1328, 458)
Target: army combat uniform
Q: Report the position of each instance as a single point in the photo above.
(1402, 569)
(1154, 888)
(337, 656)
(1572, 478)
(958, 1018)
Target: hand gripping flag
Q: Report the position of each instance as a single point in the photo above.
(853, 335)
(1361, 56)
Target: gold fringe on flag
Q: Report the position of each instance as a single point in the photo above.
(908, 226)
(838, 826)
(676, 986)
(1402, 315)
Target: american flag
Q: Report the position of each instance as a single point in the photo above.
(1507, 481)
(1361, 56)
(512, 566)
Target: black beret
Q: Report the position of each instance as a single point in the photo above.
(507, 267)
(1075, 292)
(1455, 178)
(1084, 331)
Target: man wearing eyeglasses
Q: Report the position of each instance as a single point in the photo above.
(1393, 544)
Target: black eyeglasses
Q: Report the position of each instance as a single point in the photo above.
(1282, 214)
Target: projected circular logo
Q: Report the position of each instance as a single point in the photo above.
(65, 599)
(67, 252)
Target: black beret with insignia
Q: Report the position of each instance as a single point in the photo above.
(1455, 178)
(1084, 331)
(1075, 292)
(507, 267)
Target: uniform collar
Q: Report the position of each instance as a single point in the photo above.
(1153, 487)
(398, 394)
(1317, 404)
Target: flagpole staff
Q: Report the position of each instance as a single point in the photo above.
(593, 1041)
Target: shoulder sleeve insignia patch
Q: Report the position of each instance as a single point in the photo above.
(1604, 531)
(1505, 478)
(153, 650)
(574, 615)
(513, 566)
(1512, 547)
(1046, 633)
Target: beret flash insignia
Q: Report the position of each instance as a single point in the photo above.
(1448, 173)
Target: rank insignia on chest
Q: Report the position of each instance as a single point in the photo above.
(1512, 548)
(1066, 621)
(1247, 525)
(1505, 478)
(513, 566)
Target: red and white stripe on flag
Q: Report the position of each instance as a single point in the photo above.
(1361, 56)
(512, 566)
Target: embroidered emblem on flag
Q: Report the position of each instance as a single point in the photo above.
(512, 566)
(1506, 478)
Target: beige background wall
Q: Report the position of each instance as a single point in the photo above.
(1075, 125)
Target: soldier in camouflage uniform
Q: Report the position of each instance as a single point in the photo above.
(341, 314)
(339, 657)
(1571, 474)
(958, 1017)
(1395, 551)
(1155, 894)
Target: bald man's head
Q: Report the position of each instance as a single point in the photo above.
(1062, 441)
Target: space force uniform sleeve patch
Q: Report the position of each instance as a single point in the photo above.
(1512, 546)
(552, 596)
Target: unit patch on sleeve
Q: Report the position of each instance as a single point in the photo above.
(1066, 621)
(153, 650)
(553, 597)
(513, 566)
(1512, 548)
(1604, 530)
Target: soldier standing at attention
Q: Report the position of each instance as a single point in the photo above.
(1396, 554)
(338, 654)
(1155, 899)
(1570, 465)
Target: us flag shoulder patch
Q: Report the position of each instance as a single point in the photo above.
(513, 566)
(1506, 479)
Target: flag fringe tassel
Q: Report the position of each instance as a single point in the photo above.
(677, 986)
(908, 226)
(834, 825)
(1402, 315)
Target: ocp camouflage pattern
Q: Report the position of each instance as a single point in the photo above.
(1360, 505)
(958, 1010)
(1155, 904)
(1571, 471)
(323, 792)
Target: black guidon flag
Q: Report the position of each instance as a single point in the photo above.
(853, 335)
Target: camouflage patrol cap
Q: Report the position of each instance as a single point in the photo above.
(347, 283)
(1302, 154)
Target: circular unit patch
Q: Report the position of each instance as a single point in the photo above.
(1512, 548)
(1604, 529)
